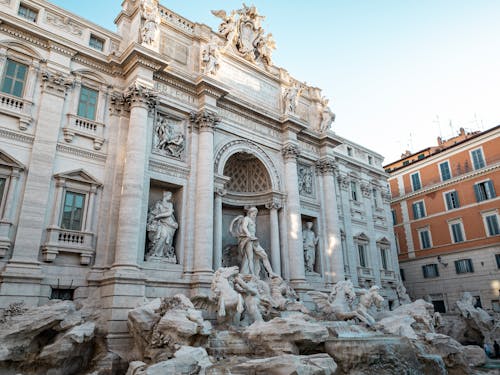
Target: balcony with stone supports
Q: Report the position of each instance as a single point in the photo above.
(69, 241)
(84, 127)
(17, 107)
(387, 276)
(365, 273)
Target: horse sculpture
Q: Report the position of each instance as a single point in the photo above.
(339, 304)
(228, 303)
(367, 299)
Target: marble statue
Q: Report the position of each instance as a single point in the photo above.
(167, 139)
(210, 58)
(310, 240)
(403, 297)
(244, 228)
(151, 15)
(327, 116)
(466, 307)
(291, 99)
(339, 304)
(161, 227)
(242, 30)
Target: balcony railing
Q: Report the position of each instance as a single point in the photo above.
(85, 128)
(387, 275)
(17, 107)
(68, 241)
(365, 272)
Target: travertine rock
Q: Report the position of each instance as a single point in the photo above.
(187, 360)
(474, 355)
(285, 335)
(159, 329)
(450, 350)
(379, 355)
(317, 364)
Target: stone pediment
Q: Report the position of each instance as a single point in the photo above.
(362, 237)
(79, 175)
(9, 161)
(384, 241)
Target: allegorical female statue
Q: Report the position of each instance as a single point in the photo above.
(161, 227)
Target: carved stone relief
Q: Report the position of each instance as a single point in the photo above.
(168, 137)
(151, 16)
(306, 180)
(64, 23)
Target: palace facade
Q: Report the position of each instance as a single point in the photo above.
(124, 158)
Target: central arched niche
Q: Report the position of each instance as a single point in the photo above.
(247, 174)
(249, 185)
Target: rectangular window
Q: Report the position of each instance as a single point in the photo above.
(484, 190)
(363, 261)
(439, 306)
(492, 227)
(425, 239)
(497, 257)
(28, 13)
(14, 78)
(451, 199)
(457, 233)
(72, 217)
(430, 270)
(394, 217)
(402, 274)
(96, 43)
(444, 169)
(2, 188)
(478, 159)
(87, 103)
(415, 181)
(62, 294)
(418, 210)
(384, 257)
(464, 266)
(354, 191)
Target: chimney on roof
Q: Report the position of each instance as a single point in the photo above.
(440, 141)
(462, 131)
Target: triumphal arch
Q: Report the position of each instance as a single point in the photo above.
(131, 162)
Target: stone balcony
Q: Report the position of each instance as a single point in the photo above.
(68, 241)
(84, 127)
(365, 273)
(17, 107)
(387, 275)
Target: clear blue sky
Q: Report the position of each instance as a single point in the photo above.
(397, 73)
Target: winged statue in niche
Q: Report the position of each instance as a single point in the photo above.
(243, 32)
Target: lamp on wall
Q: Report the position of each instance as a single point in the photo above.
(440, 261)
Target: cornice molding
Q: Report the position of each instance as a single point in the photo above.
(76, 151)
(21, 137)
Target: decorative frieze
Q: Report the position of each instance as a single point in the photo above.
(204, 120)
(64, 23)
(290, 151)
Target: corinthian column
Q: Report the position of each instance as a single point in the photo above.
(205, 121)
(128, 244)
(334, 261)
(290, 153)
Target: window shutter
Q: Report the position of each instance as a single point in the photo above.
(424, 271)
(477, 192)
(471, 266)
(491, 188)
(449, 204)
(455, 194)
(457, 267)
(415, 215)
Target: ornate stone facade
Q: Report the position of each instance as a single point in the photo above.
(101, 129)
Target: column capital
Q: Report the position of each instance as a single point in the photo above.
(204, 120)
(118, 105)
(56, 83)
(343, 181)
(326, 166)
(139, 95)
(365, 189)
(290, 151)
(273, 205)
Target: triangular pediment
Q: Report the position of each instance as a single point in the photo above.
(9, 161)
(362, 237)
(384, 241)
(79, 175)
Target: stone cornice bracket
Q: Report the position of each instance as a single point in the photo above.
(220, 192)
(204, 120)
(56, 83)
(290, 151)
(326, 166)
(138, 94)
(365, 189)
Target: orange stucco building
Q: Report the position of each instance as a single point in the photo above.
(445, 211)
